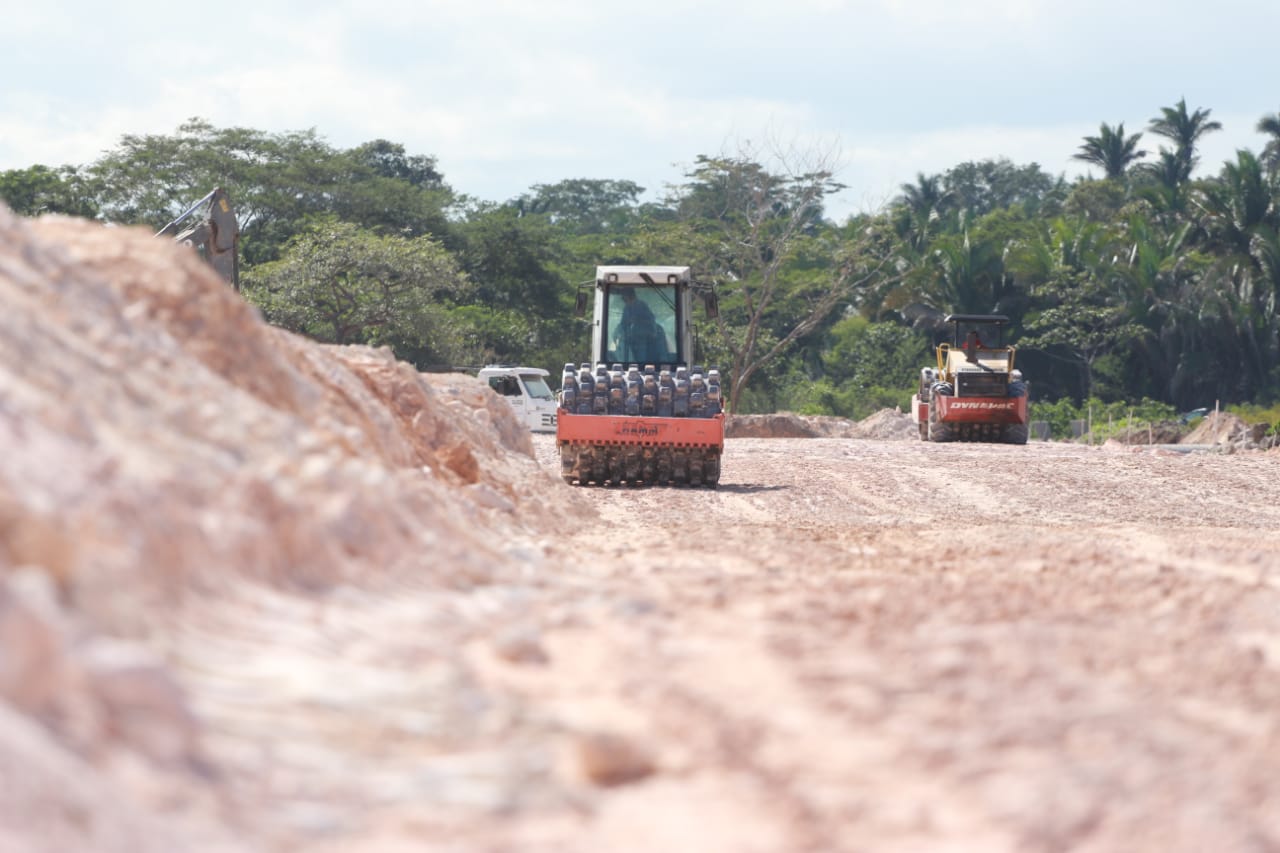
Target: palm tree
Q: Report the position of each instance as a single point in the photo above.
(926, 196)
(1155, 279)
(963, 273)
(1241, 221)
(1270, 124)
(1238, 202)
(1166, 191)
(923, 203)
(1111, 150)
(1184, 130)
(1079, 316)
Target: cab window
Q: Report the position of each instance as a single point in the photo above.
(641, 324)
(536, 386)
(505, 385)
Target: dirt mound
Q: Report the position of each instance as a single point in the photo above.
(1229, 429)
(888, 425)
(162, 444)
(149, 402)
(1217, 428)
(885, 424)
(781, 425)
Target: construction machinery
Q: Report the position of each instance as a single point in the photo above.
(526, 389)
(974, 393)
(216, 235)
(639, 411)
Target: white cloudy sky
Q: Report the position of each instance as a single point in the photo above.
(506, 95)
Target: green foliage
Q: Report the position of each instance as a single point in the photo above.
(489, 336)
(757, 235)
(1111, 149)
(1096, 201)
(862, 354)
(1143, 284)
(963, 273)
(820, 397)
(1270, 125)
(509, 259)
(1058, 414)
(342, 284)
(999, 185)
(920, 212)
(1253, 413)
(1184, 130)
(276, 182)
(584, 206)
(862, 367)
(1116, 417)
(382, 188)
(1119, 414)
(39, 190)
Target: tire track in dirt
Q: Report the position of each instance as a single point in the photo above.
(1019, 648)
(850, 645)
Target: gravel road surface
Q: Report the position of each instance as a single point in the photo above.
(893, 645)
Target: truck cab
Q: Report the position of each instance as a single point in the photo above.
(526, 389)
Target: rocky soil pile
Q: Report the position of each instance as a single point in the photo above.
(1231, 432)
(167, 452)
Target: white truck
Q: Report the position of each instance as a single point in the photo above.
(526, 389)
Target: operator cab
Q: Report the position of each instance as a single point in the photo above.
(988, 329)
(978, 337)
(642, 317)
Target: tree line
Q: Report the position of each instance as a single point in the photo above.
(1143, 282)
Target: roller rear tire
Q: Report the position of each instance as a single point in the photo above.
(939, 431)
(1015, 434)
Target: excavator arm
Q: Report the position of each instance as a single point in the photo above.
(217, 234)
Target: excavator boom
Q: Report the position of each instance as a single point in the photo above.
(217, 235)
